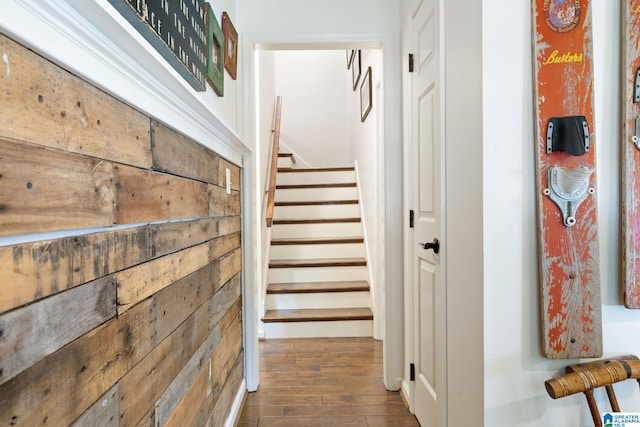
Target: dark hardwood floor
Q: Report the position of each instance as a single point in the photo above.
(323, 382)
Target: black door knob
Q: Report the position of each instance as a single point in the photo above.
(435, 245)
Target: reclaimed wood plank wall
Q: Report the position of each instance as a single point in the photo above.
(138, 325)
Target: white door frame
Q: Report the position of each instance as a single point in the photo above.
(394, 213)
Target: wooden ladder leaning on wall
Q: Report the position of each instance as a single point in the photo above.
(585, 377)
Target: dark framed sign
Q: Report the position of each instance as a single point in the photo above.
(230, 46)
(366, 95)
(176, 30)
(215, 52)
(356, 69)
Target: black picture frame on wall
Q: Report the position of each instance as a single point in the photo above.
(356, 69)
(366, 95)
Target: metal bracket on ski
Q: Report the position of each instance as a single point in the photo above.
(636, 92)
(568, 188)
(568, 134)
(635, 139)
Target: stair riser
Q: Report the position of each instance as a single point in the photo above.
(284, 162)
(291, 178)
(342, 328)
(314, 231)
(322, 300)
(316, 194)
(316, 274)
(353, 250)
(316, 212)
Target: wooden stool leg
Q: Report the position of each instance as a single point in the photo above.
(612, 398)
(593, 407)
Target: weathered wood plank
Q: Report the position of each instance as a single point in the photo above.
(234, 171)
(137, 283)
(221, 410)
(143, 385)
(223, 204)
(174, 304)
(43, 190)
(32, 271)
(31, 333)
(46, 105)
(103, 413)
(230, 265)
(196, 375)
(223, 245)
(229, 225)
(222, 302)
(224, 309)
(218, 397)
(170, 237)
(227, 352)
(189, 407)
(145, 196)
(179, 155)
(60, 387)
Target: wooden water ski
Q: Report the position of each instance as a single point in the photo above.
(631, 154)
(566, 179)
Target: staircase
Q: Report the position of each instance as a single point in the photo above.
(317, 274)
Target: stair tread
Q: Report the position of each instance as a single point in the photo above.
(285, 154)
(317, 287)
(305, 186)
(314, 221)
(322, 262)
(337, 169)
(317, 241)
(311, 315)
(317, 202)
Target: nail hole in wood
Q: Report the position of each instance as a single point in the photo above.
(40, 98)
(29, 186)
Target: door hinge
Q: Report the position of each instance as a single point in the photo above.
(411, 218)
(411, 62)
(412, 372)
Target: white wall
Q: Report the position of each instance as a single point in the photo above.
(515, 369)
(367, 153)
(266, 104)
(315, 125)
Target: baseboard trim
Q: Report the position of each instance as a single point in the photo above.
(238, 404)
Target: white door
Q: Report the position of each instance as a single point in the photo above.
(428, 283)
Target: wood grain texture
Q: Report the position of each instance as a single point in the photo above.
(140, 282)
(173, 236)
(223, 245)
(313, 382)
(33, 271)
(569, 256)
(38, 182)
(31, 333)
(146, 196)
(103, 413)
(46, 105)
(60, 387)
(223, 204)
(630, 156)
(177, 154)
(143, 385)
